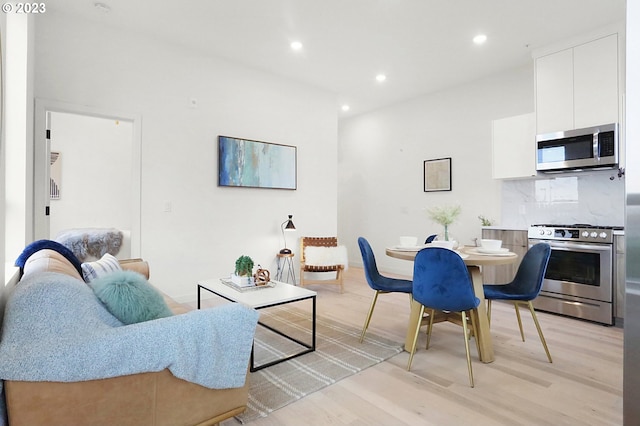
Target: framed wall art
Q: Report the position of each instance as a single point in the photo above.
(437, 175)
(255, 164)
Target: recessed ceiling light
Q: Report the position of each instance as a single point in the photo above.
(345, 107)
(296, 45)
(479, 39)
(381, 77)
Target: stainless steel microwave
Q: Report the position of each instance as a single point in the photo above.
(592, 147)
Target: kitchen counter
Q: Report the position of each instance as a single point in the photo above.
(506, 228)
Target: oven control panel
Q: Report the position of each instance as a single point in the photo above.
(588, 234)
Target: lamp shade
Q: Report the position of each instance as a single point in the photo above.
(289, 224)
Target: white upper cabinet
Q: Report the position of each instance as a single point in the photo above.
(554, 92)
(513, 144)
(596, 82)
(578, 87)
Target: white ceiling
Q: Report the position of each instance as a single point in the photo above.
(421, 45)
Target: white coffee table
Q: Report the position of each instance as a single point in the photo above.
(280, 294)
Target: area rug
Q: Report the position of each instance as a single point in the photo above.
(338, 354)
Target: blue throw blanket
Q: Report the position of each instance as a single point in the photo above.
(55, 329)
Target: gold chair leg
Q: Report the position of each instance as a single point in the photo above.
(535, 320)
(466, 346)
(366, 322)
(473, 314)
(430, 327)
(515, 305)
(415, 338)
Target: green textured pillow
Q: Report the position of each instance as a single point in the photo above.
(129, 297)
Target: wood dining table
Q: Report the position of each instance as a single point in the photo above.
(474, 261)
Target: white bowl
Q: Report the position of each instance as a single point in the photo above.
(446, 244)
(491, 244)
(408, 241)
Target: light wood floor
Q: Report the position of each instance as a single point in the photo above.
(583, 386)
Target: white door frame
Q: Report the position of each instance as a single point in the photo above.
(41, 154)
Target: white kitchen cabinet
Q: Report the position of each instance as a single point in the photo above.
(513, 146)
(595, 82)
(578, 87)
(554, 92)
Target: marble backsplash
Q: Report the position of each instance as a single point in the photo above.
(584, 197)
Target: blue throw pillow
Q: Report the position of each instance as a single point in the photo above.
(129, 297)
(50, 245)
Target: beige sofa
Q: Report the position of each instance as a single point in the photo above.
(155, 398)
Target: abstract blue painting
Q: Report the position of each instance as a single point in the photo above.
(254, 164)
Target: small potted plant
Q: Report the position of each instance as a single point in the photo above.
(243, 273)
(485, 221)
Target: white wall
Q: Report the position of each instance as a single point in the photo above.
(381, 158)
(18, 132)
(208, 227)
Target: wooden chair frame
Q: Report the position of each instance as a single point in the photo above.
(338, 269)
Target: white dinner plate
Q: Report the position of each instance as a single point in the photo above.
(408, 248)
(484, 250)
(462, 255)
(476, 250)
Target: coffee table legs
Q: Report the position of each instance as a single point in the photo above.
(308, 347)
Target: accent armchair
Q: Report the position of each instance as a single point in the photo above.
(308, 265)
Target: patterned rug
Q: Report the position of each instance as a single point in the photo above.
(338, 354)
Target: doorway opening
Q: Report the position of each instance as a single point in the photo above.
(87, 172)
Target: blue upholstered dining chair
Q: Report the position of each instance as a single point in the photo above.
(377, 282)
(430, 238)
(441, 281)
(525, 287)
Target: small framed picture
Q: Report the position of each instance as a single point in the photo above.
(437, 175)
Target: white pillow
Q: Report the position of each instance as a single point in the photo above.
(326, 256)
(99, 268)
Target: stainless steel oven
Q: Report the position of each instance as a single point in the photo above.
(579, 277)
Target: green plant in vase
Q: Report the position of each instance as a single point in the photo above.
(244, 266)
(242, 275)
(444, 216)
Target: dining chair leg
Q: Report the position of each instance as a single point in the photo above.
(535, 320)
(366, 322)
(515, 305)
(489, 311)
(474, 321)
(415, 338)
(430, 327)
(466, 346)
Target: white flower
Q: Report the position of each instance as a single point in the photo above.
(445, 215)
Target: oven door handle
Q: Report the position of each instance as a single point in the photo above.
(560, 245)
